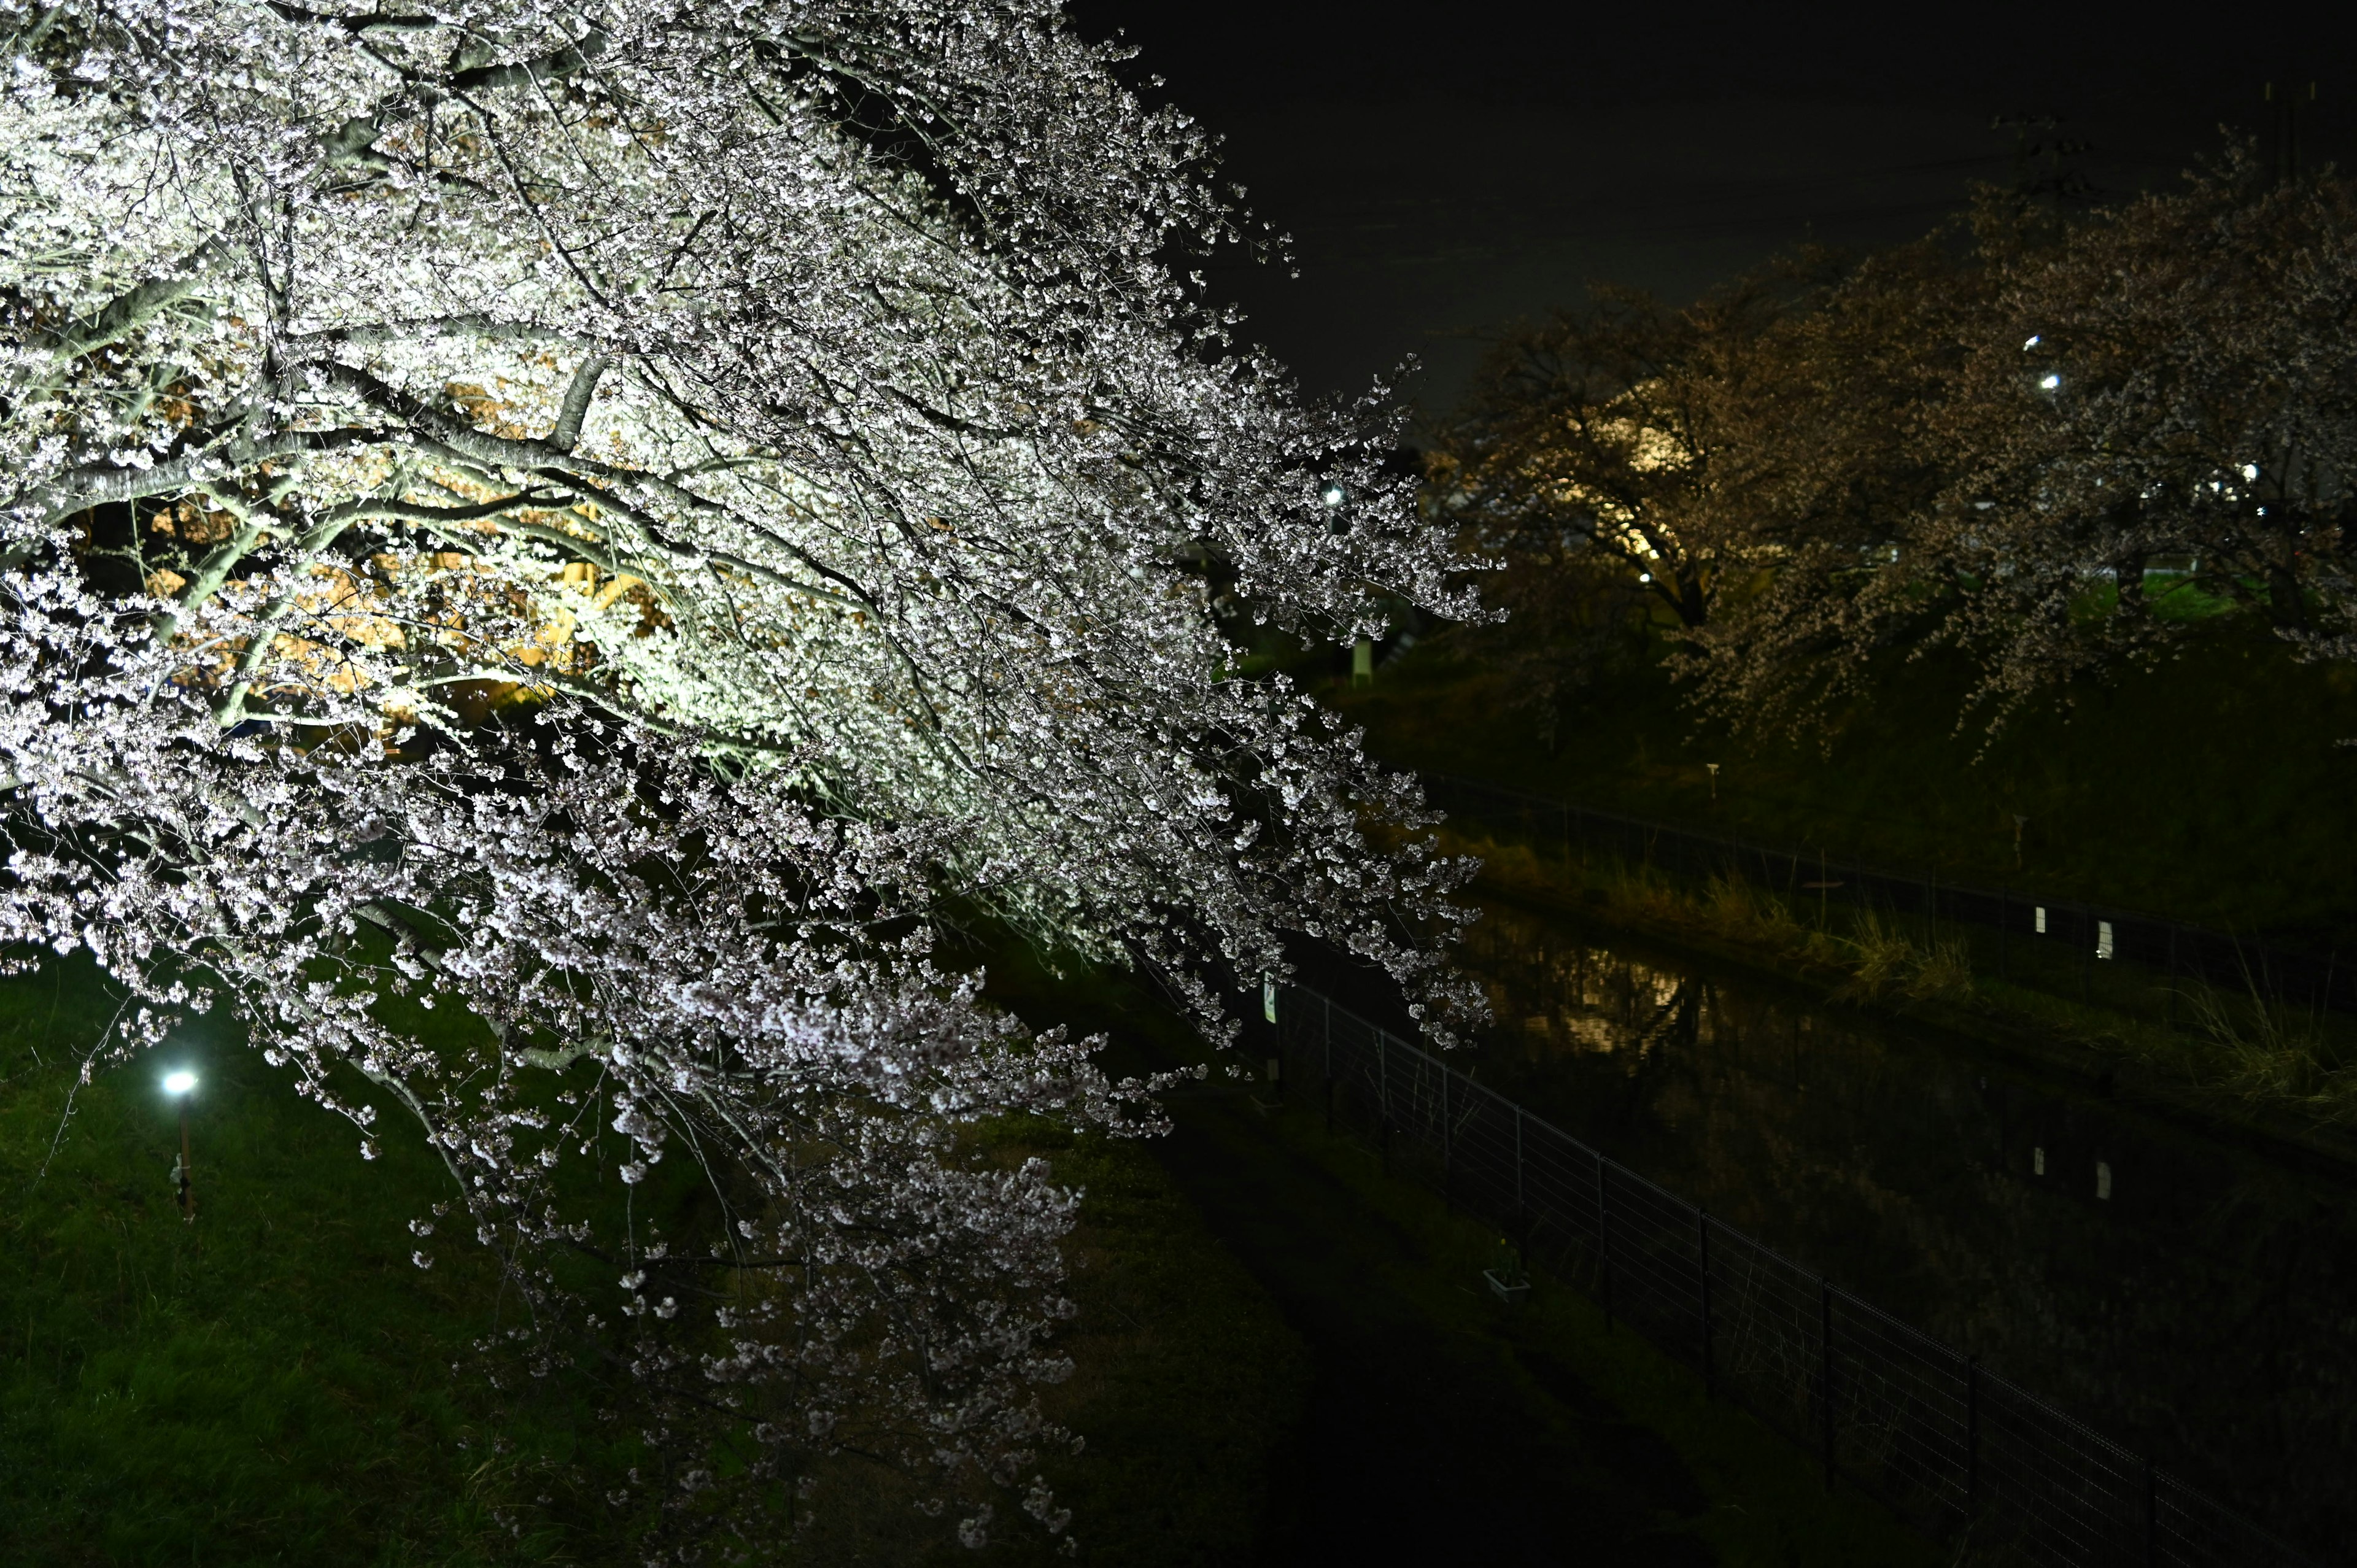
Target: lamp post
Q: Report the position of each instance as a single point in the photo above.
(180, 1085)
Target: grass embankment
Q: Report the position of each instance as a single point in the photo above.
(2213, 788)
(2233, 1055)
(273, 1383)
(278, 1383)
(1444, 1426)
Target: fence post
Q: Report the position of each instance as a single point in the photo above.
(1522, 1217)
(1702, 1274)
(2172, 1002)
(1972, 1439)
(1603, 1243)
(1329, 1062)
(1447, 1149)
(1826, 1371)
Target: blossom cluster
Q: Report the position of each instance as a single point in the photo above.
(549, 549)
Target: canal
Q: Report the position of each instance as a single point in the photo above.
(2184, 1295)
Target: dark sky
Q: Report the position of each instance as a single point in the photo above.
(1445, 168)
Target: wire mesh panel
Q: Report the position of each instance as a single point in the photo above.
(1765, 1319)
(1903, 1421)
(2056, 1492)
(1889, 1408)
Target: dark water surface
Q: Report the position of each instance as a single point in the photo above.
(2188, 1297)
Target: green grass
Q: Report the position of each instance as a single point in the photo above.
(270, 1384)
(2215, 788)
(278, 1383)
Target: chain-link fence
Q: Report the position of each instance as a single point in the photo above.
(2063, 946)
(1961, 1451)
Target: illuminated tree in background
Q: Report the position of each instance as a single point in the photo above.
(596, 525)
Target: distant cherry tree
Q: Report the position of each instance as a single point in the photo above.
(2084, 440)
(2157, 419)
(550, 548)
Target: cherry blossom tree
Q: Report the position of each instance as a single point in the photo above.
(1852, 440)
(2161, 407)
(1612, 435)
(2086, 439)
(550, 548)
(1716, 468)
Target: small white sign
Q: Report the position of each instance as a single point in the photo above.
(1268, 997)
(2102, 938)
(2041, 920)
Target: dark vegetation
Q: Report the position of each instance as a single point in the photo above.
(2215, 788)
(1441, 1425)
(2017, 554)
(1269, 1334)
(2193, 791)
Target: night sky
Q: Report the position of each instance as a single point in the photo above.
(1445, 168)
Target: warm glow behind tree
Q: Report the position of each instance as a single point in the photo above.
(1615, 433)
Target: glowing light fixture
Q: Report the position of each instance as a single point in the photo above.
(1333, 494)
(179, 1082)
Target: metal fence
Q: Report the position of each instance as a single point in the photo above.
(1962, 1453)
(2063, 945)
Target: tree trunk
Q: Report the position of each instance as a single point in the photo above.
(2130, 572)
(1691, 605)
(2285, 604)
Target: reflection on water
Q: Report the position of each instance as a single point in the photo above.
(2187, 1297)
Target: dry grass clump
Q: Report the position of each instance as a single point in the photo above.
(1736, 908)
(2267, 1052)
(1886, 962)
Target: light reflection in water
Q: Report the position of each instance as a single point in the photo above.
(2182, 1293)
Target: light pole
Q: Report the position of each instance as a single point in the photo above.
(180, 1085)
